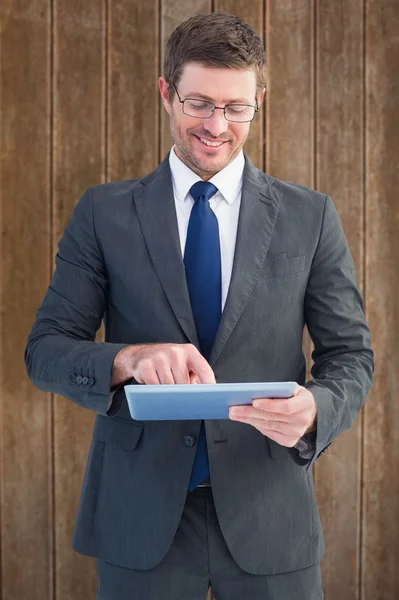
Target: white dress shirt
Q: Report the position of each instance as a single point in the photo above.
(225, 204)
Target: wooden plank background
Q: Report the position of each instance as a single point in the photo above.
(79, 105)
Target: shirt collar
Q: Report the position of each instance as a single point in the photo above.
(228, 180)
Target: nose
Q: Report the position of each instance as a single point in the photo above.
(216, 124)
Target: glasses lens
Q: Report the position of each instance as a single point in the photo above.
(198, 108)
(240, 112)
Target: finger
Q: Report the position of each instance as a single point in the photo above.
(161, 364)
(298, 419)
(256, 413)
(166, 377)
(194, 378)
(284, 406)
(180, 372)
(147, 374)
(283, 440)
(265, 427)
(197, 363)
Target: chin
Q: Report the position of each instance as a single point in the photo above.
(211, 166)
(208, 159)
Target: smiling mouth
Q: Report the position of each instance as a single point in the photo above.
(210, 144)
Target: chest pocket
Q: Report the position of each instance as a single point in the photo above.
(281, 265)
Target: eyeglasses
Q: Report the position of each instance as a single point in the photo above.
(202, 109)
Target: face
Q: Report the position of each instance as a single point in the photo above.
(220, 86)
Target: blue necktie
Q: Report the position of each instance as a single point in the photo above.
(204, 281)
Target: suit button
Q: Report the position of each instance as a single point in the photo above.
(79, 379)
(72, 378)
(85, 380)
(91, 381)
(189, 441)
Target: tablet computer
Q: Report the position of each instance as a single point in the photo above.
(198, 401)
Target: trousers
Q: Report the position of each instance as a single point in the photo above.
(199, 559)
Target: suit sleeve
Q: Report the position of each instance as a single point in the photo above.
(343, 359)
(61, 355)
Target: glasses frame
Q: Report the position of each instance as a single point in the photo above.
(223, 108)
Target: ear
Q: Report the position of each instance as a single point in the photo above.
(163, 88)
(261, 97)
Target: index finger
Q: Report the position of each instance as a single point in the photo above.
(197, 363)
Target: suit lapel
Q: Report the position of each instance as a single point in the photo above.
(259, 209)
(260, 202)
(156, 212)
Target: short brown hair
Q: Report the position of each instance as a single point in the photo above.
(214, 40)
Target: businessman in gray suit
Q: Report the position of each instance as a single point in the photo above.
(205, 271)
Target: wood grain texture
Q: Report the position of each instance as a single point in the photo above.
(339, 172)
(174, 12)
(289, 124)
(132, 93)
(381, 442)
(79, 162)
(253, 14)
(26, 511)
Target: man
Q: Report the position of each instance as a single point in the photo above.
(205, 271)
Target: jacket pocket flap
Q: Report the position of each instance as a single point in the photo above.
(277, 452)
(117, 432)
(284, 266)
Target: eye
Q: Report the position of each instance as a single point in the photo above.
(198, 104)
(237, 108)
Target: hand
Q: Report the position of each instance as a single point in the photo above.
(283, 420)
(161, 363)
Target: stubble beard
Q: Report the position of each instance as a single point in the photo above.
(190, 159)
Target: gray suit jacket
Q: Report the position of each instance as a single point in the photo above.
(120, 259)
